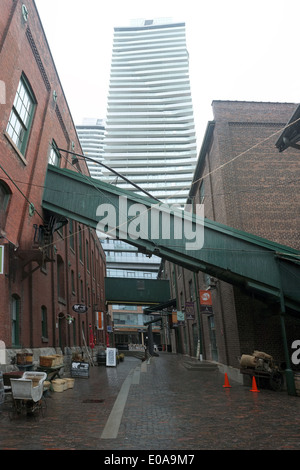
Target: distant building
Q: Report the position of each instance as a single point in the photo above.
(91, 136)
(150, 133)
(123, 260)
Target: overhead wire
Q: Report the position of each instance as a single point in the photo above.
(261, 142)
(19, 189)
(237, 156)
(90, 181)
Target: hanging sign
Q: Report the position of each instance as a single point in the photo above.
(174, 318)
(80, 308)
(190, 311)
(1, 259)
(99, 320)
(180, 317)
(205, 302)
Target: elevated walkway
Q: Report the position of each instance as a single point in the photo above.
(255, 264)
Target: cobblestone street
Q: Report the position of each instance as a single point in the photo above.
(157, 406)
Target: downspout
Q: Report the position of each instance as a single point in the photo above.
(30, 288)
(199, 353)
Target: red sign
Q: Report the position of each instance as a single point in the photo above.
(205, 297)
(205, 302)
(99, 320)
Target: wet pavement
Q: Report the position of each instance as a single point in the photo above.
(156, 406)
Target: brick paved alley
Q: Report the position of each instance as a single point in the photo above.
(159, 406)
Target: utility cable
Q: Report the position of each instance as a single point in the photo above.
(25, 197)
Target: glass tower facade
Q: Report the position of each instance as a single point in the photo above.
(150, 134)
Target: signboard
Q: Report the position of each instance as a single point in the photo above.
(1, 259)
(180, 317)
(80, 308)
(205, 302)
(111, 357)
(190, 311)
(80, 369)
(174, 318)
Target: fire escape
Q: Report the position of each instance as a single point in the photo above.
(41, 251)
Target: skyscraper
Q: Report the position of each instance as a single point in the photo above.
(91, 135)
(122, 259)
(150, 133)
(149, 128)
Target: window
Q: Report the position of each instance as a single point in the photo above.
(191, 289)
(87, 255)
(81, 291)
(71, 234)
(4, 199)
(92, 264)
(72, 282)
(201, 193)
(21, 116)
(44, 323)
(54, 155)
(80, 243)
(60, 278)
(15, 304)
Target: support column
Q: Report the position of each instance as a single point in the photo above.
(289, 374)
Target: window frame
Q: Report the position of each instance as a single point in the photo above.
(15, 319)
(23, 133)
(5, 196)
(56, 161)
(44, 323)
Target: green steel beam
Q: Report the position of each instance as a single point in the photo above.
(233, 256)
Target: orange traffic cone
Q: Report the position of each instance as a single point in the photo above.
(226, 383)
(254, 387)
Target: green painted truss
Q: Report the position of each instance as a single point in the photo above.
(239, 258)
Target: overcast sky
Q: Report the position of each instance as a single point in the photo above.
(238, 50)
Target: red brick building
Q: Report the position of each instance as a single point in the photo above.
(50, 263)
(245, 183)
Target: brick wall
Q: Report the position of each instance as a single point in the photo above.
(24, 50)
(250, 186)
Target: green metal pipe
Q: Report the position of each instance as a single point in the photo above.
(289, 374)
